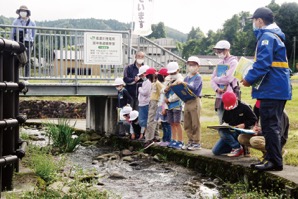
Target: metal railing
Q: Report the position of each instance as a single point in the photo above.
(58, 56)
(9, 111)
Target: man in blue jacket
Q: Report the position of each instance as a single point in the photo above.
(131, 78)
(271, 67)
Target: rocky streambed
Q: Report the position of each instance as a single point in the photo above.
(131, 174)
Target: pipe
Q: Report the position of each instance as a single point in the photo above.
(5, 160)
(21, 152)
(12, 46)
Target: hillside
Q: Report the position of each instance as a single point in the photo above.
(93, 23)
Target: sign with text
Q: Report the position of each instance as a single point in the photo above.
(102, 48)
(143, 17)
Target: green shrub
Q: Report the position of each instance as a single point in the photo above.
(62, 135)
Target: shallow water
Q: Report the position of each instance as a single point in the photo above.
(144, 178)
(141, 177)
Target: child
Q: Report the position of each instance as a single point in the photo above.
(192, 108)
(124, 98)
(174, 106)
(223, 82)
(144, 99)
(239, 115)
(135, 129)
(161, 113)
(154, 97)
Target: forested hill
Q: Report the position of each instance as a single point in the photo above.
(93, 23)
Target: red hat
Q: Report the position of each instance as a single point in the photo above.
(163, 71)
(229, 100)
(150, 71)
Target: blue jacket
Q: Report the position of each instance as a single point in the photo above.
(272, 64)
(21, 22)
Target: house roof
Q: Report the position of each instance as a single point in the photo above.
(212, 60)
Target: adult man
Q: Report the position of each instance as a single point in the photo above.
(257, 141)
(239, 115)
(24, 35)
(272, 68)
(131, 78)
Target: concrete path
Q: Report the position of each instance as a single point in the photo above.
(289, 172)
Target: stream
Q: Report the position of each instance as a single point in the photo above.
(132, 174)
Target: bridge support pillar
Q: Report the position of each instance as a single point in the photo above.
(101, 114)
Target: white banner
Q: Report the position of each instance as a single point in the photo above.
(103, 48)
(143, 17)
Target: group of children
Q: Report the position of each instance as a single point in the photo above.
(157, 102)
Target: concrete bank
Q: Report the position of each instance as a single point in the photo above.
(228, 169)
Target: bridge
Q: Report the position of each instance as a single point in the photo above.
(57, 68)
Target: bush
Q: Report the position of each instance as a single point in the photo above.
(62, 135)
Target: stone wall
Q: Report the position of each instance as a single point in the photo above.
(52, 109)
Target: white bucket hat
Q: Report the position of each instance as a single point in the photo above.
(119, 81)
(126, 110)
(143, 69)
(222, 44)
(133, 115)
(194, 59)
(172, 67)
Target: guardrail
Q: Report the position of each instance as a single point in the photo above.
(57, 56)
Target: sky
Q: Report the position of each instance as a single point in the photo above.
(178, 14)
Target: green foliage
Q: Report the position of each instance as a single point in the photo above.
(242, 190)
(24, 136)
(195, 34)
(287, 19)
(175, 34)
(43, 164)
(62, 135)
(158, 31)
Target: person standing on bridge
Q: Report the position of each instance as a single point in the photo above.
(272, 68)
(131, 78)
(24, 35)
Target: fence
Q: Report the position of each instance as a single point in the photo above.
(57, 55)
(9, 109)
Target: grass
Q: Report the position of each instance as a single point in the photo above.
(62, 135)
(43, 164)
(209, 117)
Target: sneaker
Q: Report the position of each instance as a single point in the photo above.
(185, 146)
(236, 152)
(164, 144)
(148, 144)
(173, 142)
(193, 147)
(178, 145)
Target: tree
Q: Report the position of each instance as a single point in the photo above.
(158, 31)
(195, 34)
(287, 20)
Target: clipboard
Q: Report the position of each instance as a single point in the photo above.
(183, 92)
(239, 130)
